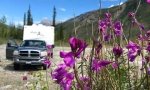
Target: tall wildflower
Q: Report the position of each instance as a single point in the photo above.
(77, 46)
(97, 64)
(104, 24)
(117, 50)
(118, 28)
(148, 1)
(134, 50)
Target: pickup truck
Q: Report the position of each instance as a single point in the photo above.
(32, 50)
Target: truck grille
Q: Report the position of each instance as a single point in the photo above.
(24, 53)
(29, 53)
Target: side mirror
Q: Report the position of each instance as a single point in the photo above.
(8, 45)
(12, 43)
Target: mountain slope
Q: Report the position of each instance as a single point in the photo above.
(87, 23)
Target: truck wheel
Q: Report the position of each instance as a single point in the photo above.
(44, 67)
(16, 66)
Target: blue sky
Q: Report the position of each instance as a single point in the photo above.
(42, 9)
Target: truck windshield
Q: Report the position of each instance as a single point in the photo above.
(33, 43)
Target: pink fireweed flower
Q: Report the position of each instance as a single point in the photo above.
(63, 77)
(148, 71)
(141, 37)
(131, 14)
(147, 35)
(103, 63)
(102, 26)
(68, 58)
(65, 54)
(86, 82)
(147, 58)
(77, 46)
(98, 47)
(95, 65)
(142, 27)
(67, 81)
(24, 78)
(49, 46)
(148, 1)
(107, 37)
(117, 50)
(107, 15)
(118, 28)
(114, 65)
(47, 62)
(59, 73)
(98, 64)
(148, 47)
(134, 50)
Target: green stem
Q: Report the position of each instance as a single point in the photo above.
(47, 80)
(77, 78)
(128, 59)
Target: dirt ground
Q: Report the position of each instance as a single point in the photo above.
(13, 80)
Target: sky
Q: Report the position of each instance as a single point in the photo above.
(14, 10)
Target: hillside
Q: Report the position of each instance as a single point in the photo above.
(84, 22)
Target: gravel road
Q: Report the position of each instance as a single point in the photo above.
(13, 80)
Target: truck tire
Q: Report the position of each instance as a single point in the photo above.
(16, 66)
(44, 67)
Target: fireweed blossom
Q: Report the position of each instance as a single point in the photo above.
(148, 71)
(114, 65)
(134, 50)
(148, 1)
(117, 50)
(67, 81)
(102, 26)
(107, 37)
(147, 35)
(97, 64)
(24, 78)
(77, 46)
(86, 82)
(47, 62)
(148, 47)
(49, 46)
(98, 47)
(131, 14)
(118, 28)
(68, 58)
(63, 77)
(59, 73)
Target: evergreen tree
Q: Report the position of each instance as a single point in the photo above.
(24, 19)
(29, 17)
(61, 33)
(3, 20)
(54, 16)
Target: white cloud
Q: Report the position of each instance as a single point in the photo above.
(111, 6)
(62, 9)
(121, 3)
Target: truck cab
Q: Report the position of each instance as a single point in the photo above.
(32, 52)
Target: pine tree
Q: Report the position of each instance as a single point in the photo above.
(54, 16)
(24, 19)
(29, 17)
(61, 33)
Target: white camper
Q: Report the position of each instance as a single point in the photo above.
(39, 32)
